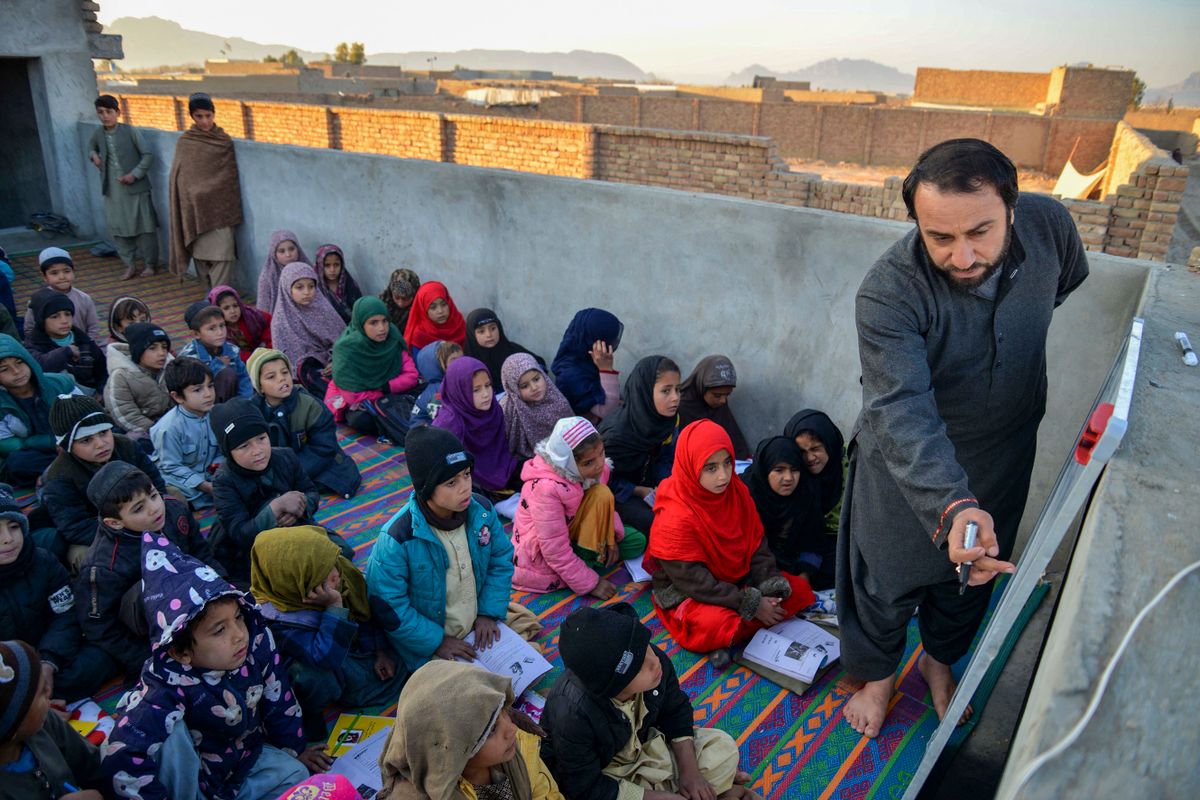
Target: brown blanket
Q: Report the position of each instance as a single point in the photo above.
(205, 194)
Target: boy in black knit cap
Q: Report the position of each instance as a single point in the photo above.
(620, 727)
(109, 586)
(41, 756)
(86, 442)
(37, 604)
(135, 393)
(258, 488)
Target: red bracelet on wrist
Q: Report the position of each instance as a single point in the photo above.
(948, 509)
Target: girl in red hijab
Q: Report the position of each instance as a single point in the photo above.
(715, 579)
(434, 317)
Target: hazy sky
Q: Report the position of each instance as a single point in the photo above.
(681, 39)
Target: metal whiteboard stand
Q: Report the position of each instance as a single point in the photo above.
(1099, 439)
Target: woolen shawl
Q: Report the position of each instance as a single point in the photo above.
(831, 477)
(303, 332)
(421, 330)
(361, 364)
(634, 429)
(721, 531)
(204, 191)
(347, 291)
(268, 277)
(528, 424)
(710, 373)
(481, 432)
(576, 374)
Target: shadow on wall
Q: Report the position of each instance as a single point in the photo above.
(770, 286)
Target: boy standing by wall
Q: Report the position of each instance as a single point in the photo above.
(119, 153)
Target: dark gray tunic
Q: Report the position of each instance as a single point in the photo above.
(954, 387)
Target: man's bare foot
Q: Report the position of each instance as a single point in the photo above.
(941, 685)
(866, 710)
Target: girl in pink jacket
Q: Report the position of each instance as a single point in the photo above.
(567, 531)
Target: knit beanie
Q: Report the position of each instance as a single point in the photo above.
(189, 314)
(20, 679)
(235, 422)
(47, 302)
(259, 359)
(53, 255)
(9, 509)
(434, 455)
(604, 646)
(141, 335)
(107, 477)
(200, 101)
(75, 416)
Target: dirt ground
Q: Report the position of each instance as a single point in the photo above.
(857, 173)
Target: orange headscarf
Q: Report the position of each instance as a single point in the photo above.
(421, 330)
(691, 523)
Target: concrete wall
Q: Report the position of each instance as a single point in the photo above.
(63, 85)
(979, 87)
(768, 285)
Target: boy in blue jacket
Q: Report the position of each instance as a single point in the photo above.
(442, 567)
(212, 347)
(213, 716)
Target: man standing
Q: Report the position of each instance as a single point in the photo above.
(952, 323)
(206, 200)
(123, 159)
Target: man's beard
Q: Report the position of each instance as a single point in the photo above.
(990, 267)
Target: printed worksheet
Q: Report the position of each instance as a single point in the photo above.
(795, 647)
(512, 657)
(360, 764)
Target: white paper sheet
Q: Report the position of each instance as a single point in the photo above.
(636, 571)
(512, 657)
(650, 498)
(795, 647)
(508, 508)
(360, 764)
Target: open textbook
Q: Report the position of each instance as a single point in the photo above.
(360, 764)
(512, 657)
(792, 653)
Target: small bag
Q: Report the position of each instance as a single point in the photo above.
(393, 416)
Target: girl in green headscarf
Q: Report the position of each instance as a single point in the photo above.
(370, 360)
(456, 737)
(316, 602)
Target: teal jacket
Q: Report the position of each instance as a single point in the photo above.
(16, 428)
(406, 577)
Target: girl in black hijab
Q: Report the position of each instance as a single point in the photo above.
(788, 499)
(487, 342)
(821, 442)
(639, 437)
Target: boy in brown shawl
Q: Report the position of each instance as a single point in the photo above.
(206, 201)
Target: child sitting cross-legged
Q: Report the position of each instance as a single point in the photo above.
(619, 724)
(298, 420)
(212, 347)
(456, 737)
(27, 444)
(134, 394)
(185, 447)
(86, 443)
(37, 604)
(259, 487)
(110, 575)
(442, 566)
(316, 603)
(567, 530)
(60, 345)
(213, 716)
(41, 756)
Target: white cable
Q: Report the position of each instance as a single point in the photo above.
(1075, 732)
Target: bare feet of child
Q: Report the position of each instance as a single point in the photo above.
(866, 710)
(941, 685)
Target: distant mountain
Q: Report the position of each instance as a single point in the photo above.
(836, 73)
(1186, 93)
(152, 42)
(581, 63)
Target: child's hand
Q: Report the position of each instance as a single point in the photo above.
(602, 355)
(205, 486)
(96, 160)
(315, 759)
(693, 786)
(603, 589)
(327, 370)
(613, 556)
(296, 504)
(385, 666)
(74, 352)
(86, 794)
(323, 594)
(769, 611)
(487, 632)
(126, 179)
(452, 648)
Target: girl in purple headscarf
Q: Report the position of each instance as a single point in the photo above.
(304, 326)
(336, 281)
(469, 411)
(284, 249)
